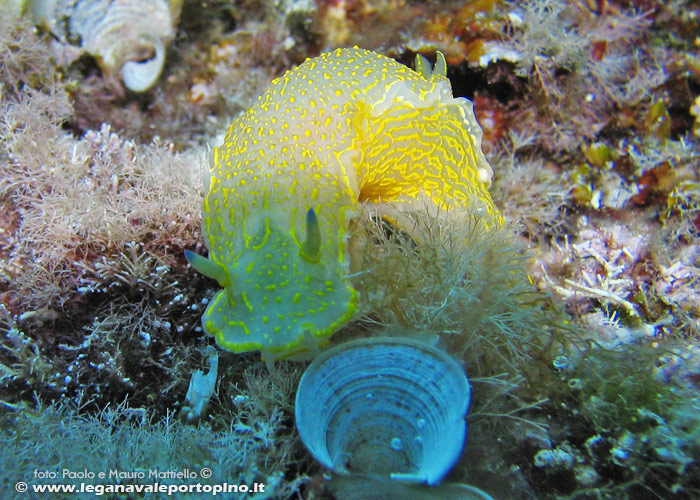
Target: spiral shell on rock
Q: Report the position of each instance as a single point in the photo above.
(129, 36)
(385, 406)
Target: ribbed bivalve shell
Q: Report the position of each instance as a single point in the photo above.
(384, 406)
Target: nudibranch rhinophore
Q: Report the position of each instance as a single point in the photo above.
(347, 127)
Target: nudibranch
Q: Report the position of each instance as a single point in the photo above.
(347, 127)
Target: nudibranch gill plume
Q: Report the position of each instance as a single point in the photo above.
(347, 127)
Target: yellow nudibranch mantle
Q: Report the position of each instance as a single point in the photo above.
(347, 127)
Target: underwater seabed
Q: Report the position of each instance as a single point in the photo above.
(244, 431)
(576, 324)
